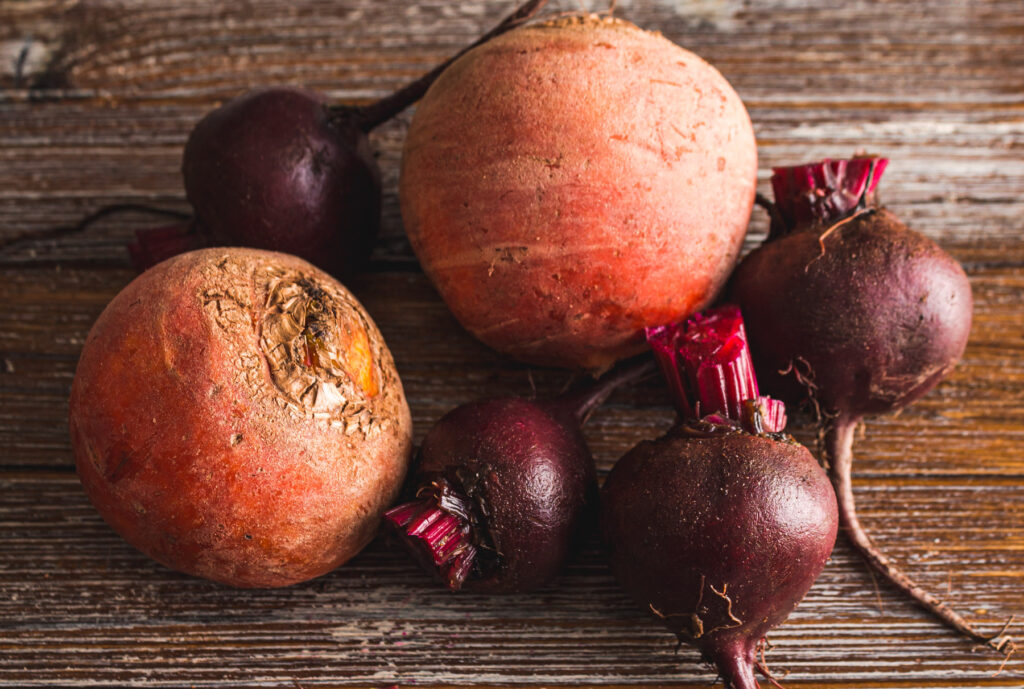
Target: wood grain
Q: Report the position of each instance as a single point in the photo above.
(96, 99)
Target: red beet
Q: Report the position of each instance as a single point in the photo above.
(278, 168)
(721, 526)
(503, 488)
(848, 307)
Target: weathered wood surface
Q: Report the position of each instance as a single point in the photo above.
(96, 99)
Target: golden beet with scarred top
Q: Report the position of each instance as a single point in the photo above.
(236, 415)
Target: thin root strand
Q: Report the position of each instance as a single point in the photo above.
(839, 449)
(91, 219)
(762, 664)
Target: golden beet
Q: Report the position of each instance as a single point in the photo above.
(569, 183)
(236, 415)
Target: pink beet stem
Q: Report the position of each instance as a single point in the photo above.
(824, 192)
(403, 514)
(773, 412)
(663, 339)
(421, 522)
(707, 363)
(461, 566)
(442, 535)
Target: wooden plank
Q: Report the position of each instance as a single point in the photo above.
(77, 597)
(944, 100)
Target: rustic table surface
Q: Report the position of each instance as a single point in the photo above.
(96, 99)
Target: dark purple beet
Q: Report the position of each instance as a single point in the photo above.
(720, 537)
(280, 169)
(719, 528)
(850, 309)
(872, 316)
(503, 488)
(277, 169)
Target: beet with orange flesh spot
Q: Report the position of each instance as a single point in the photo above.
(236, 415)
(721, 526)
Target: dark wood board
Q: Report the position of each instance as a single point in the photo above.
(96, 99)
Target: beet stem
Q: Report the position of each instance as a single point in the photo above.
(822, 193)
(583, 401)
(370, 116)
(437, 535)
(155, 244)
(839, 453)
(707, 363)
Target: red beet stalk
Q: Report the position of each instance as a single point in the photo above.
(438, 522)
(824, 192)
(155, 244)
(706, 361)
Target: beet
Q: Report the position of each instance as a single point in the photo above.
(719, 527)
(503, 488)
(277, 168)
(236, 415)
(280, 169)
(574, 181)
(847, 300)
(851, 310)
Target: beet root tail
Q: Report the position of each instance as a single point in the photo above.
(737, 670)
(839, 451)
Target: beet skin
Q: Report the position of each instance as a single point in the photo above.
(571, 182)
(720, 537)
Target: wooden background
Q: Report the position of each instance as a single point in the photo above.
(96, 99)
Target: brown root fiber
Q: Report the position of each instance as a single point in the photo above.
(839, 453)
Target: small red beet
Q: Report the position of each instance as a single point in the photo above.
(719, 527)
(503, 488)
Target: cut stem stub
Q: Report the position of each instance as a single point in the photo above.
(706, 362)
(437, 527)
(445, 528)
